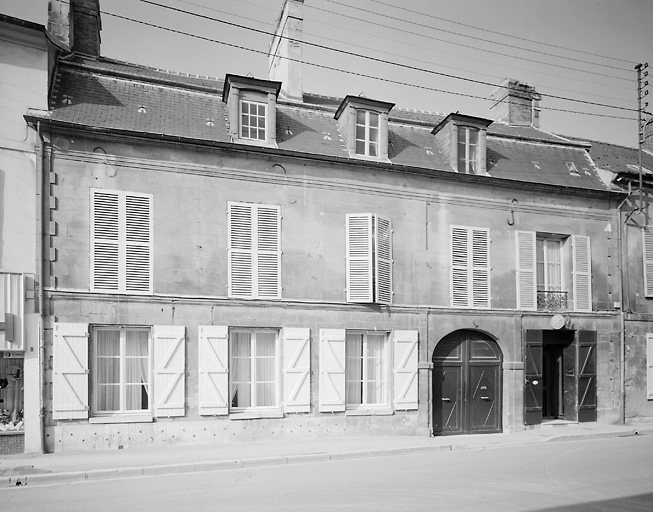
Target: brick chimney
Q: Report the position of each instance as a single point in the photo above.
(76, 25)
(285, 53)
(516, 103)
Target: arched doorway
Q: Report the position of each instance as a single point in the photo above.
(467, 386)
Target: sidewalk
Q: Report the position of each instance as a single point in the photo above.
(44, 469)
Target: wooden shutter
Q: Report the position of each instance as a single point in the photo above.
(405, 383)
(526, 271)
(649, 366)
(533, 373)
(254, 251)
(332, 370)
(297, 369)
(383, 262)
(647, 243)
(70, 371)
(169, 349)
(121, 242)
(213, 359)
(359, 257)
(582, 273)
(470, 267)
(586, 376)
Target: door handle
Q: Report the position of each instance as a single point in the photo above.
(485, 398)
(446, 399)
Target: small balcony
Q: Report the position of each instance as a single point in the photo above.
(551, 300)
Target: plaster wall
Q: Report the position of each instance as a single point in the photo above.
(638, 407)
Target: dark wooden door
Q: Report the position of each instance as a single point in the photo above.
(533, 378)
(586, 376)
(466, 385)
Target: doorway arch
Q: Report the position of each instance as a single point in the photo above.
(467, 384)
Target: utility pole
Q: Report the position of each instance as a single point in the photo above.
(642, 92)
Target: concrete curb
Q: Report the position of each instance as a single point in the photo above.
(306, 458)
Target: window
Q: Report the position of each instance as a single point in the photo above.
(647, 243)
(121, 372)
(254, 373)
(549, 274)
(121, 242)
(365, 368)
(470, 267)
(252, 120)
(468, 150)
(367, 133)
(369, 258)
(254, 251)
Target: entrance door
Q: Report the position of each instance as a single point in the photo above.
(466, 385)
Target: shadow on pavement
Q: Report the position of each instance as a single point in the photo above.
(640, 502)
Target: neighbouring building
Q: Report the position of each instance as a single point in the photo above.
(236, 258)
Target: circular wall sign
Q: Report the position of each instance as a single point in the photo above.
(557, 321)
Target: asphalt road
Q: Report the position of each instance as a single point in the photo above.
(600, 475)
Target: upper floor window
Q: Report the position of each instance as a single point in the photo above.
(121, 242)
(367, 133)
(253, 120)
(470, 267)
(363, 124)
(468, 150)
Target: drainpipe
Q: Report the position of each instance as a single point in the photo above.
(622, 242)
(41, 245)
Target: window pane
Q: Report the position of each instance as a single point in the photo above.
(265, 343)
(472, 136)
(360, 117)
(373, 151)
(108, 397)
(108, 370)
(136, 343)
(241, 395)
(108, 343)
(360, 132)
(265, 394)
(245, 107)
(354, 369)
(374, 120)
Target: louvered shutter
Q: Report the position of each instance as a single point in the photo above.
(460, 292)
(121, 242)
(480, 268)
(240, 250)
(649, 366)
(383, 263)
(526, 271)
(359, 257)
(105, 241)
(268, 255)
(332, 370)
(582, 277)
(648, 261)
(169, 349)
(213, 352)
(405, 370)
(70, 371)
(297, 369)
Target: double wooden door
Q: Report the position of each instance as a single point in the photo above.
(467, 385)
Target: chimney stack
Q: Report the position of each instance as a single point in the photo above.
(76, 25)
(285, 53)
(516, 103)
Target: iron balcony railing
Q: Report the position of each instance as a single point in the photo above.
(552, 300)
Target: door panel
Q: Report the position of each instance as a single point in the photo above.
(484, 404)
(587, 376)
(447, 394)
(533, 375)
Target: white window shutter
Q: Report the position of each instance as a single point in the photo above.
(268, 252)
(297, 369)
(383, 263)
(241, 250)
(480, 268)
(648, 260)
(649, 366)
(70, 371)
(526, 271)
(460, 292)
(332, 370)
(359, 257)
(405, 370)
(582, 273)
(105, 241)
(213, 352)
(169, 348)
(138, 243)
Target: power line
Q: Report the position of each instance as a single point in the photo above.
(330, 68)
(403, 8)
(378, 60)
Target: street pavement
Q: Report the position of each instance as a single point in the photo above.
(46, 469)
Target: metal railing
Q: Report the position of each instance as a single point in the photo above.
(552, 300)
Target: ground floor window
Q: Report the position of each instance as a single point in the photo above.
(121, 377)
(365, 369)
(254, 369)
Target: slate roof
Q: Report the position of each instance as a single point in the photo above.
(112, 95)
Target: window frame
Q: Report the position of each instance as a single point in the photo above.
(547, 240)
(253, 370)
(249, 100)
(94, 370)
(367, 128)
(467, 130)
(386, 379)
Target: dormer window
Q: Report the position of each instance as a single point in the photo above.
(251, 109)
(363, 124)
(461, 140)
